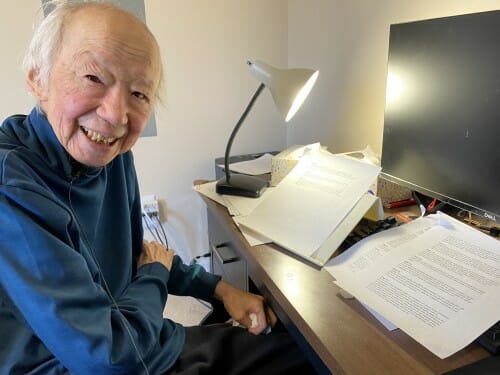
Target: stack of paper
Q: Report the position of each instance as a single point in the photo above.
(311, 201)
(435, 278)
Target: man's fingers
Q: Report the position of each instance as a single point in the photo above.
(271, 317)
(156, 252)
(258, 323)
(254, 323)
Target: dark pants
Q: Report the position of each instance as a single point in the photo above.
(220, 349)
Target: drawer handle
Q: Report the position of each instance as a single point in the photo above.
(225, 253)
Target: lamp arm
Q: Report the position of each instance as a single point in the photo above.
(237, 127)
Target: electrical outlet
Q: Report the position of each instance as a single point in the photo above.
(150, 206)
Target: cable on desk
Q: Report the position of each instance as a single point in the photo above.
(419, 203)
(433, 207)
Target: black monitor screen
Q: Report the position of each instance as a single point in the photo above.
(442, 117)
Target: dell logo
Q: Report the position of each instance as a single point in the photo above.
(490, 217)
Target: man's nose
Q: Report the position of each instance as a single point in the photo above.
(113, 107)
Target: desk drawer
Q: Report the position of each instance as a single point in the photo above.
(225, 259)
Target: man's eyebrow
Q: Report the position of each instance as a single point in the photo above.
(144, 82)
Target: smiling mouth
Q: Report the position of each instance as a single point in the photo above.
(96, 137)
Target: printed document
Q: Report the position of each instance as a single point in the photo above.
(309, 203)
(435, 278)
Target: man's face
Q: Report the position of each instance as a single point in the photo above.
(102, 87)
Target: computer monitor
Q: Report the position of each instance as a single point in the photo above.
(442, 117)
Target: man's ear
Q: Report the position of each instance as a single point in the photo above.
(35, 85)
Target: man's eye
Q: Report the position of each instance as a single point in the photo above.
(140, 96)
(93, 78)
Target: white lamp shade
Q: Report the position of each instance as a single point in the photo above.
(289, 87)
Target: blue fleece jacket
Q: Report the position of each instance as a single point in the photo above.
(71, 297)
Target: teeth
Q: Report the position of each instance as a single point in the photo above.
(96, 137)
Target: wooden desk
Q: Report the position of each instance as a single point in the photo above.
(338, 334)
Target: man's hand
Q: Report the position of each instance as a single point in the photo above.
(155, 252)
(246, 308)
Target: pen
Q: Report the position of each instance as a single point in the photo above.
(403, 218)
(401, 203)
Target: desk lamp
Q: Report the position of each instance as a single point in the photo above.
(289, 88)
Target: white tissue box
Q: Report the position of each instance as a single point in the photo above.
(283, 163)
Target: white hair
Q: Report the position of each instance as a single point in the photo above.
(47, 38)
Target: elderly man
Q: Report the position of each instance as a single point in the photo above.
(80, 291)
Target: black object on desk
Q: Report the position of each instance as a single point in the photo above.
(486, 366)
(240, 184)
(366, 228)
(490, 340)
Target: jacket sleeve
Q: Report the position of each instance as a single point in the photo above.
(191, 280)
(54, 290)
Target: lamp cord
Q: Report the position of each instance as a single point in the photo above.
(237, 127)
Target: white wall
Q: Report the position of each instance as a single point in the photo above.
(348, 42)
(205, 45)
(16, 20)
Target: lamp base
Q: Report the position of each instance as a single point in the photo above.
(242, 185)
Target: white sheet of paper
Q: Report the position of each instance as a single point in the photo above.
(386, 323)
(435, 278)
(302, 211)
(208, 190)
(242, 206)
(254, 167)
(236, 205)
(252, 237)
(186, 310)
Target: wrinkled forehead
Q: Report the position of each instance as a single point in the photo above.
(103, 28)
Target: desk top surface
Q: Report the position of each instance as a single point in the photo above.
(344, 335)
